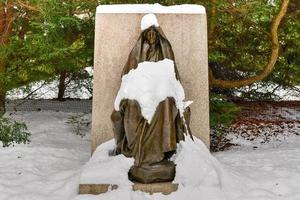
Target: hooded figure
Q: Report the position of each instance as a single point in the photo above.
(151, 144)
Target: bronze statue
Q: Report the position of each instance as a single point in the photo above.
(150, 144)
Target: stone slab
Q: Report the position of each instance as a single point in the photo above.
(95, 189)
(165, 188)
(115, 36)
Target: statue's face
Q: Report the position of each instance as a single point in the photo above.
(151, 36)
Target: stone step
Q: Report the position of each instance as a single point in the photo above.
(95, 189)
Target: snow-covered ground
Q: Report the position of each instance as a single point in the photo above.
(275, 171)
(49, 168)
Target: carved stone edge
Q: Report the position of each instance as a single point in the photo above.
(95, 189)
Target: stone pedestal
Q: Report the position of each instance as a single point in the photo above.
(164, 188)
(96, 188)
(117, 30)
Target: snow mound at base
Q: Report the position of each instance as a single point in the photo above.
(198, 174)
(105, 169)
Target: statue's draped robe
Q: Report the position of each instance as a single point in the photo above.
(148, 142)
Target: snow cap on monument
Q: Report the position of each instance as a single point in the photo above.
(148, 21)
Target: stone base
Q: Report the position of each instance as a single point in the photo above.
(165, 188)
(95, 189)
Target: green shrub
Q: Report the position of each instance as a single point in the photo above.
(222, 111)
(222, 114)
(12, 132)
(79, 123)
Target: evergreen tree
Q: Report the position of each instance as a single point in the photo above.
(14, 24)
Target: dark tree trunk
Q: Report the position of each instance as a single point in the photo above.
(2, 103)
(62, 86)
(6, 21)
(2, 93)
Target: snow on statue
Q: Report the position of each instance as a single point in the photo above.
(151, 83)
